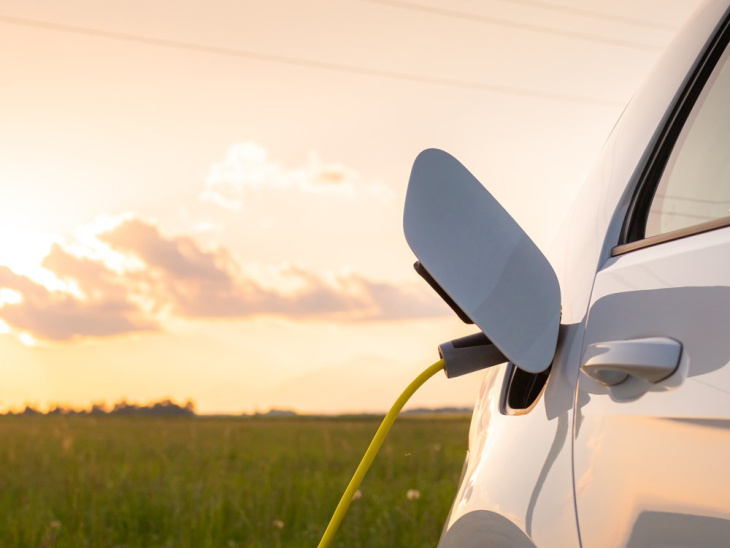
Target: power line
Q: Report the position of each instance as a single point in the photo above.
(594, 14)
(309, 63)
(514, 24)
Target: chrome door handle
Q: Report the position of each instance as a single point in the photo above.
(652, 359)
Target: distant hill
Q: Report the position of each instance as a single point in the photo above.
(438, 411)
(414, 411)
(278, 413)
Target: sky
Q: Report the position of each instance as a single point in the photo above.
(203, 200)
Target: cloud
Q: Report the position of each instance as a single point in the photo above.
(180, 257)
(199, 283)
(247, 168)
(400, 302)
(56, 315)
(174, 276)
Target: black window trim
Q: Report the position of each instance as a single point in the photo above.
(632, 235)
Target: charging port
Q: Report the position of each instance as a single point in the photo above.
(523, 390)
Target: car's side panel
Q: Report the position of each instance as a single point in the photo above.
(519, 470)
(649, 457)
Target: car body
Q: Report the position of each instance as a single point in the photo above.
(561, 459)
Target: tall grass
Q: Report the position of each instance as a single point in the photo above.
(223, 482)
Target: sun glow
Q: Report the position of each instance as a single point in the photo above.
(9, 296)
(23, 254)
(27, 339)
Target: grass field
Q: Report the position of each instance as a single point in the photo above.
(224, 482)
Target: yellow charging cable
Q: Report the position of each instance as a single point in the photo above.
(369, 456)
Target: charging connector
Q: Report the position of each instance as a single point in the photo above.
(469, 354)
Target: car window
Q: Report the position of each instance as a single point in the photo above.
(695, 185)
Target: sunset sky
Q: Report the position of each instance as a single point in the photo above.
(203, 200)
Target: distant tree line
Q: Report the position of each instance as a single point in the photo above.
(162, 408)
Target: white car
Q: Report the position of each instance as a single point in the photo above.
(609, 425)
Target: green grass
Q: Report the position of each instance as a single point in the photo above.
(204, 482)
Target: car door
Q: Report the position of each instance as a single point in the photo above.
(652, 421)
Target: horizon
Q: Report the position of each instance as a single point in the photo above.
(170, 407)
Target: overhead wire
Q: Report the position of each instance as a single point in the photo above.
(600, 15)
(308, 63)
(469, 16)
